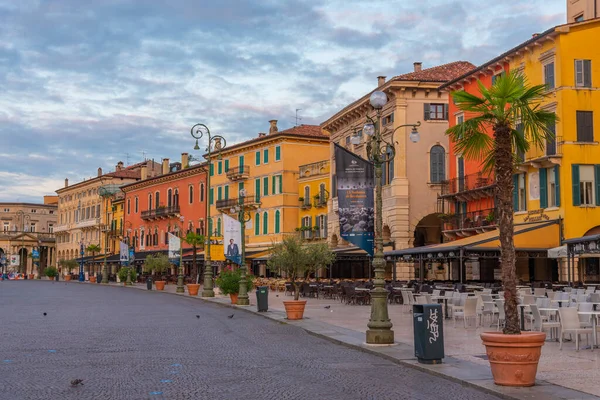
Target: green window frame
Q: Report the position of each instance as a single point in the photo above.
(265, 223)
(543, 188)
(277, 153)
(227, 192)
(219, 193)
(257, 188)
(256, 224)
(219, 227)
(265, 156)
(266, 185)
(226, 166)
(212, 169)
(211, 196)
(277, 221)
(220, 167)
(257, 156)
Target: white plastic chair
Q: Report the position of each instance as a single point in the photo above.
(540, 322)
(468, 311)
(539, 291)
(585, 320)
(569, 324)
(501, 314)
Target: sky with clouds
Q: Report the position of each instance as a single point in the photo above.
(85, 84)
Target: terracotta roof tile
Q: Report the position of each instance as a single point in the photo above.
(441, 73)
(124, 173)
(300, 130)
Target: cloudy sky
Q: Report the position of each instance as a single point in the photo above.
(84, 84)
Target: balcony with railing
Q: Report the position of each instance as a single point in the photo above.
(552, 155)
(251, 202)
(238, 173)
(320, 200)
(88, 223)
(469, 187)
(469, 223)
(312, 169)
(161, 212)
(61, 228)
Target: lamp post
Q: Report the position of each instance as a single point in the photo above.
(243, 217)
(180, 288)
(106, 232)
(130, 261)
(216, 143)
(81, 252)
(380, 327)
(22, 266)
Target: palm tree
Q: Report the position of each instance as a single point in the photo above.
(508, 102)
(93, 248)
(195, 240)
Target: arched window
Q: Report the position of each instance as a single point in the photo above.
(155, 239)
(150, 201)
(437, 164)
(191, 189)
(257, 224)
(128, 207)
(277, 221)
(169, 198)
(135, 208)
(157, 199)
(201, 192)
(265, 223)
(176, 198)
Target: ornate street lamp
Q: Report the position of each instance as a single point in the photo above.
(243, 217)
(215, 143)
(380, 327)
(81, 252)
(180, 288)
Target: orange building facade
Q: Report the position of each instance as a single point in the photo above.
(173, 202)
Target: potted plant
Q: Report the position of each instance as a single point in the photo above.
(195, 240)
(51, 272)
(122, 274)
(513, 355)
(157, 263)
(228, 282)
(300, 199)
(490, 218)
(298, 259)
(69, 265)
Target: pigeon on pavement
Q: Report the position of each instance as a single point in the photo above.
(197, 316)
(76, 382)
(328, 307)
(45, 314)
(231, 316)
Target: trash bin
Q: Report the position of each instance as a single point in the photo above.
(56, 277)
(262, 298)
(149, 283)
(428, 323)
(99, 278)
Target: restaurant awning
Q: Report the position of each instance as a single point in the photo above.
(557, 252)
(529, 237)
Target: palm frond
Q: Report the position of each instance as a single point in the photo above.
(470, 138)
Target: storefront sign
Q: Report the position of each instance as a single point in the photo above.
(536, 216)
(355, 182)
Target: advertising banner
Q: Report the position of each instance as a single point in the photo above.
(232, 238)
(174, 248)
(355, 183)
(123, 253)
(15, 260)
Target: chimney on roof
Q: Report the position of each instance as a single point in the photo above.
(119, 166)
(380, 80)
(143, 171)
(66, 182)
(273, 127)
(261, 134)
(418, 66)
(185, 162)
(99, 171)
(165, 166)
(535, 35)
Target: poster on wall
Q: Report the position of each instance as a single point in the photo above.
(15, 260)
(232, 237)
(355, 183)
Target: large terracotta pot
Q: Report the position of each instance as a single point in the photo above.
(233, 297)
(67, 277)
(160, 285)
(514, 358)
(193, 289)
(92, 279)
(294, 309)
(30, 276)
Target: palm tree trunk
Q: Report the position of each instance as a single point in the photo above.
(504, 195)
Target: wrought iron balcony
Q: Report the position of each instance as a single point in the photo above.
(250, 202)
(320, 200)
(470, 223)
(469, 187)
(238, 173)
(160, 212)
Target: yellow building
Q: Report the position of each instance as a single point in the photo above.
(313, 189)
(267, 167)
(561, 181)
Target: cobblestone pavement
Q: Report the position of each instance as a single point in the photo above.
(132, 344)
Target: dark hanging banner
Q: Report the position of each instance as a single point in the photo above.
(355, 183)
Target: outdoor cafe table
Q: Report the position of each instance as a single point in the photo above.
(594, 315)
(560, 302)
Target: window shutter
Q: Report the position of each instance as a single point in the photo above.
(325, 225)
(446, 112)
(273, 183)
(543, 188)
(557, 184)
(257, 158)
(257, 224)
(516, 192)
(585, 128)
(211, 196)
(266, 186)
(266, 156)
(212, 169)
(226, 166)
(277, 153)
(575, 184)
(587, 73)
(227, 192)
(257, 189)
(426, 114)
(265, 223)
(241, 162)
(551, 76)
(597, 182)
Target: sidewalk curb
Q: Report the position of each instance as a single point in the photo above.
(494, 390)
